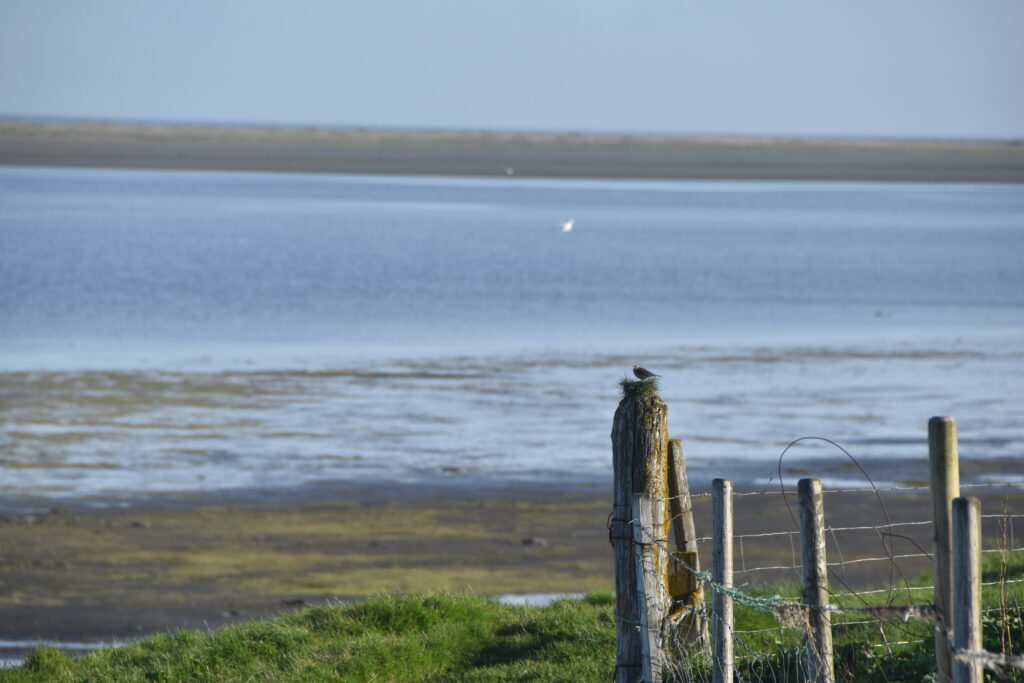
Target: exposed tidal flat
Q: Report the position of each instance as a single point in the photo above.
(143, 570)
(98, 437)
(479, 153)
(79, 575)
(140, 500)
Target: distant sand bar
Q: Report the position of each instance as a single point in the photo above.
(438, 152)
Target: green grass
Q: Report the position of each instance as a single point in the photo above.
(389, 638)
(464, 637)
(638, 388)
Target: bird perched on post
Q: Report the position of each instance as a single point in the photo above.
(643, 373)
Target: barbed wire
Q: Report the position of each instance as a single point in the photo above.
(767, 604)
(859, 560)
(776, 604)
(761, 630)
(829, 529)
(880, 489)
(1004, 582)
(886, 558)
(901, 642)
(991, 660)
(880, 590)
(792, 612)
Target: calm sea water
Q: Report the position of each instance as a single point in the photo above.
(185, 331)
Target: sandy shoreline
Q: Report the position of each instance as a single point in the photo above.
(365, 151)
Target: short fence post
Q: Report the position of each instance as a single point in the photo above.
(818, 636)
(721, 572)
(639, 533)
(966, 514)
(685, 589)
(945, 486)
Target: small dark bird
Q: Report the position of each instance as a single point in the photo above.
(643, 373)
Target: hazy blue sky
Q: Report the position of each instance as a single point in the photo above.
(933, 68)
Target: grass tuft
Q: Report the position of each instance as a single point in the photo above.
(639, 388)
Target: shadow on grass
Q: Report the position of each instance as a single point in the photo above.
(523, 642)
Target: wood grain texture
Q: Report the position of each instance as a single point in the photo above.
(944, 470)
(721, 572)
(966, 518)
(814, 569)
(640, 460)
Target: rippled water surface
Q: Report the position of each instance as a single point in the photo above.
(170, 331)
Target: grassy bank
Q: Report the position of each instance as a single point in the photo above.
(466, 637)
(410, 638)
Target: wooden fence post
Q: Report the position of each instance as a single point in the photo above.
(685, 590)
(945, 486)
(966, 513)
(649, 626)
(818, 636)
(721, 572)
(640, 459)
(681, 507)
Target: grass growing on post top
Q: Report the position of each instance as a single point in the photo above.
(639, 388)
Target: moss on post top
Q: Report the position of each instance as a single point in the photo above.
(639, 388)
(640, 440)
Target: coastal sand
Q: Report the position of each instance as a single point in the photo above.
(366, 151)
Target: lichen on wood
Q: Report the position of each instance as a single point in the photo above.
(640, 458)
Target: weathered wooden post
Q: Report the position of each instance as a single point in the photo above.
(945, 486)
(681, 507)
(818, 636)
(685, 590)
(639, 530)
(966, 513)
(721, 572)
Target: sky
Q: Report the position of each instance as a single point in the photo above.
(870, 68)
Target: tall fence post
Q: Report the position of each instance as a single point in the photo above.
(966, 513)
(945, 486)
(818, 636)
(685, 589)
(721, 573)
(640, 459)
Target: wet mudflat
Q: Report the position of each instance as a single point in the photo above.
(78, 575)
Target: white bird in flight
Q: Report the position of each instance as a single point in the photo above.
(567, 225)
